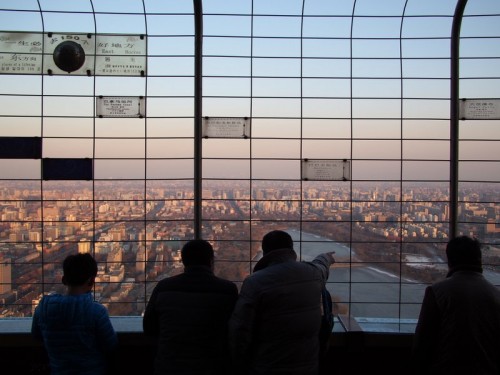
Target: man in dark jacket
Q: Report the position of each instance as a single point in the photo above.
(188, 313)
(458, 330)
(275, 325)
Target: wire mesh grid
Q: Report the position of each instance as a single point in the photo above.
(207, 130)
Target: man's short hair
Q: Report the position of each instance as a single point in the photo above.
(463, 251)
(79, 269)
(197, 253)
(276, 239)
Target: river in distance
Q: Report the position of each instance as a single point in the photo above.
(372, 292)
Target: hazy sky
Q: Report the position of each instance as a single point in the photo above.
(349, 80)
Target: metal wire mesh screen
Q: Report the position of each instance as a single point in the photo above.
(328, 119)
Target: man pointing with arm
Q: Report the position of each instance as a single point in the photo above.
(275, 325)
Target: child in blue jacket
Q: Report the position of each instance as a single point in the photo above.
(76, 330)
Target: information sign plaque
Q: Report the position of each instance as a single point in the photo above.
(75, 54)
(121, 106)
(20, 53)
(479, 109)
(226, 127)
(326, 170)
(120, 55)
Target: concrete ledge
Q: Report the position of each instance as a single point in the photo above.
(351, 352)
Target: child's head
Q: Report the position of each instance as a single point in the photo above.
(79, 269)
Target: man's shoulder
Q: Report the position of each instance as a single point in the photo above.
(279, 271)
(50, 297)
(220, 283)
(225, 283)
(167, 283)
(475, 280)
(184, 281)
(99, 307)
(54, 298)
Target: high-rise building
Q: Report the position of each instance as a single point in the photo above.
(5, 275)
(140, 260)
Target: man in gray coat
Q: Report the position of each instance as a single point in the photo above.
(274, 328)
(458, 330)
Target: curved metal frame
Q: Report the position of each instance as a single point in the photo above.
(454, 107)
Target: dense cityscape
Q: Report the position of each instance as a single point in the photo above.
(136, 231)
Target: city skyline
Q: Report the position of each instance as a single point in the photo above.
(316, 91)
(137, 240)
(362, 86)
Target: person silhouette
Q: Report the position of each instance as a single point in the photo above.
(458, 329)
(188, 315)
(275, 326)
(76, 330)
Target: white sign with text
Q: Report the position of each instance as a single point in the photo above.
(226, 127)
(326, 170)
(120, 106)
(479, 109)
(75, 54)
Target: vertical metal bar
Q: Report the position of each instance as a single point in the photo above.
(301, 212)
(454, 118)
(42, 123)
(402, 149)
(198, 59)
(250, 203)
(94, 81)
(146, 143)
(351, 152)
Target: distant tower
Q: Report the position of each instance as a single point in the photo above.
(140, 260)
(5, 276)
(84, 246)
